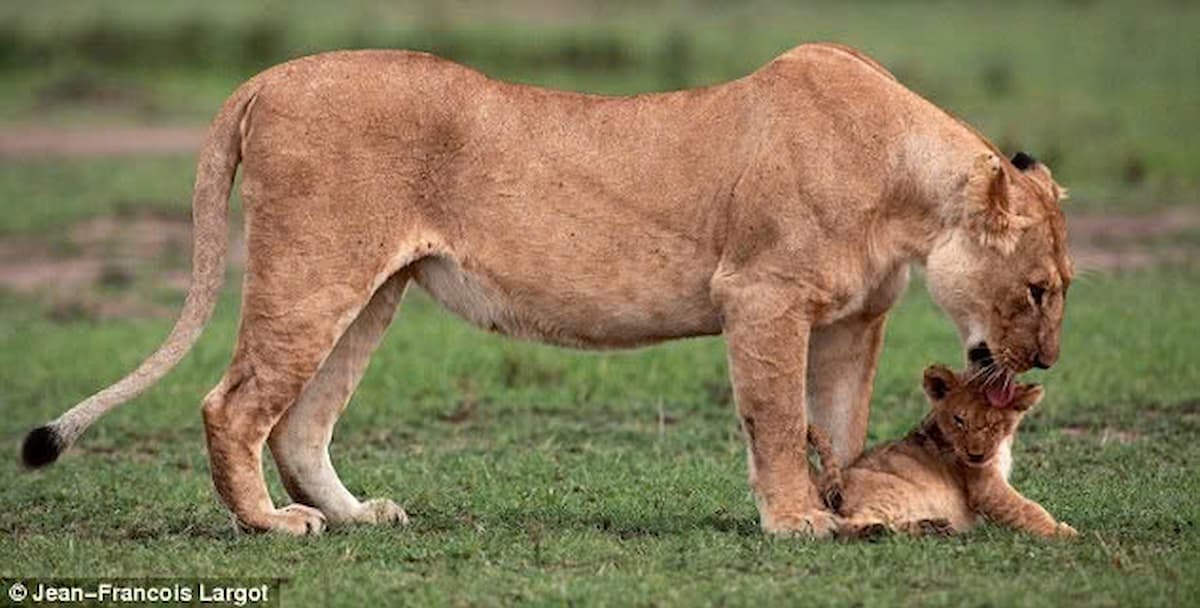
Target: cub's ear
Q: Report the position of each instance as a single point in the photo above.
(1028, 395)
(939, 381)
(989, 208)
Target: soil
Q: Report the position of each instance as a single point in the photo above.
(106, 267)
(46, 142)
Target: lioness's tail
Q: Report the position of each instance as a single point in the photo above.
(829, 485)
(210, 207)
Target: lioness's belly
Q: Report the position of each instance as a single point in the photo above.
(555, 306)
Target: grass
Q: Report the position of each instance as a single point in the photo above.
(541, 476)
(611, 478)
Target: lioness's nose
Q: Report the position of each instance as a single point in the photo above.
(1038, 363)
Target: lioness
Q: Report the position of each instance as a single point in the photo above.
(781, 210)
(947, 473)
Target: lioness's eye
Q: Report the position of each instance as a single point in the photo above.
(959, 422)
(1036, 292)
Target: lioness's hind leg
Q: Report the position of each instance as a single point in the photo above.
(280, 346)
(300, 440)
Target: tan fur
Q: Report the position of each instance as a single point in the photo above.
(782, 210)
(944, 475)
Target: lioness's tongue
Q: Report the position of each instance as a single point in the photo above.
(1002, 396)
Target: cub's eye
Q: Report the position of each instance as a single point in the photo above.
(1037, 292)
(959, 422)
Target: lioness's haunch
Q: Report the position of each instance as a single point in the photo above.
(781, 210)
(947, 473)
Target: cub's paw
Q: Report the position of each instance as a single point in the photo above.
(381, 511)
(833, 499)
(935, 527)
(869, 532)
(1064, 530)
(808, 524)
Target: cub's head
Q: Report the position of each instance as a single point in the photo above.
(975, 421)
(1000, 269)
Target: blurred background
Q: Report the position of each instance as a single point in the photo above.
(103, 102)
(1108, 93)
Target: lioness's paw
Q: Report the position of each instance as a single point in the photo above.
(294, 519)
(382, 511)
(808, 524)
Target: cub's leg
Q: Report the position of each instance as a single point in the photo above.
(842, 359)
(991, 495)
(300, 441)
(767, 335)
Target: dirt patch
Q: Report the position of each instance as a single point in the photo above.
(106, 267)
(1104, 435)
(1122, 242)
(47, 142)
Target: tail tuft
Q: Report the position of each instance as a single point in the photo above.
(42, 447)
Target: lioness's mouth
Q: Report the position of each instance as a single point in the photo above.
(997, 381)
(980, 356)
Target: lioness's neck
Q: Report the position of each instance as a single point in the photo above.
(927, 195)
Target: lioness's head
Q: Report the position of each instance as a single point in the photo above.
(1001, 268)
(975, 421)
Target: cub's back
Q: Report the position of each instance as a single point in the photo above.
(901, 483)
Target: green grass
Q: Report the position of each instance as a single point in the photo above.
(564, 486)
(47, 198)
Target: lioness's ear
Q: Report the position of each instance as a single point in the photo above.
(1023, 161)
(989, 209)
(939, 381)
(1031, 166)
(1028, 395)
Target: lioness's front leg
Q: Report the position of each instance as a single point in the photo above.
(842, 360)
(767, 333)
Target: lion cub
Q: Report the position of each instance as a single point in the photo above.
(946, 474)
